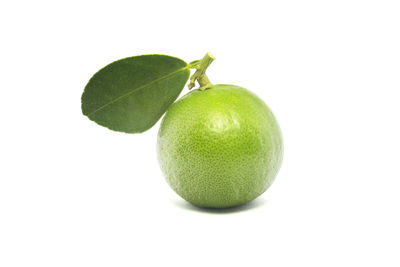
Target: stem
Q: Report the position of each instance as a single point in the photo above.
(200, 74)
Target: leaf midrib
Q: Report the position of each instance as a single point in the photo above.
(136, 89)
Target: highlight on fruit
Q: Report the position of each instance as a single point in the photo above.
(218, 146)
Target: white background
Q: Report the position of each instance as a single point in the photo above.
(75, 194)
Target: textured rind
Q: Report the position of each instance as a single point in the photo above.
(221, 147)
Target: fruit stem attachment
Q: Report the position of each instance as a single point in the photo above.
(200, 74)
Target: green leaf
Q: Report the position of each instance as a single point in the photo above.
(130, 95)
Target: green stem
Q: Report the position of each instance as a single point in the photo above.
(200, 74)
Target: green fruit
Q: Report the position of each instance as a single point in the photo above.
(219, 148)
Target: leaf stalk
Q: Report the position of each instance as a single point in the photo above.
(200, 74)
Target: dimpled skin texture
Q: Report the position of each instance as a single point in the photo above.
(219, 148)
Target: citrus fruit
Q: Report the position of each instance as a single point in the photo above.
(220, 147)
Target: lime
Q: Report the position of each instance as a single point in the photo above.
(220, 147)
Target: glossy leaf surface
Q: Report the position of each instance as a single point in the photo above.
(130, 95)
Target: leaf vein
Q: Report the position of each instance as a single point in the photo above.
(137, 89)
